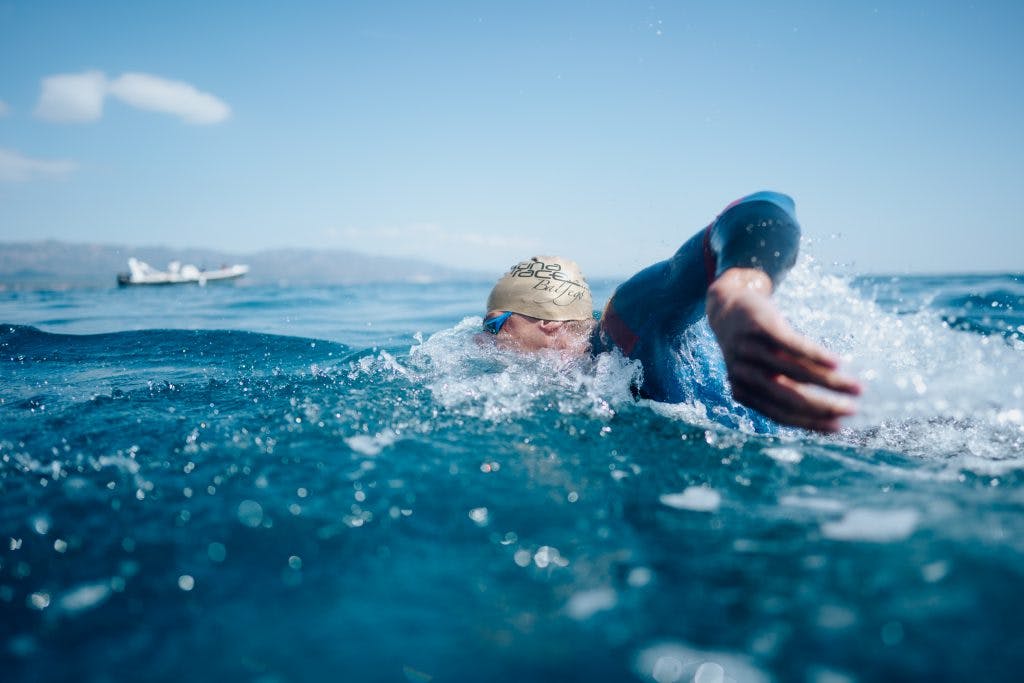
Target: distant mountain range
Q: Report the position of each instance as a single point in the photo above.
(53, 264)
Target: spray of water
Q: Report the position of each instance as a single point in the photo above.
(477, 379)
(931, 391)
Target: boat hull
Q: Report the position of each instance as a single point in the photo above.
(161, 278)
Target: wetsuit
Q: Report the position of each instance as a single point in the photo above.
(657, 316)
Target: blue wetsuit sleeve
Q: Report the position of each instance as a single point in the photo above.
(648, 314)
(759, 231)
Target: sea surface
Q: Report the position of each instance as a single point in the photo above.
(241, 483)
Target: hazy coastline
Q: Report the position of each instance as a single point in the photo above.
(54, 264)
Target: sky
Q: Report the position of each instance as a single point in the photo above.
(475, 134)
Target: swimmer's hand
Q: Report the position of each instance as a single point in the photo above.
(772, 368)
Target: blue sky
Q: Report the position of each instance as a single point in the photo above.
(477, 133)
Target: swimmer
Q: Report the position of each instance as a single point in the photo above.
(726, 273)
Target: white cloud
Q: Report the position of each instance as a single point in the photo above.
(4, 109)
(171, 97)
(72, 98)
(17, 168)
(80, 97)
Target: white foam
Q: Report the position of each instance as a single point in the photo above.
(784, 455)
(696, 498)
(39, 600)
(812, 503)
(480, 516)
(669, 662)
(878, 526)
(548, 556)
(585, 604)
(118, 461)
(84, 597)
(930, 391)
(639, 577)
(371, 446)
(475, 378)
(987, 467)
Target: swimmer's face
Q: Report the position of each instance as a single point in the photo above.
(527, 334)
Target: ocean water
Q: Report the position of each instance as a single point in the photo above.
(240, 483)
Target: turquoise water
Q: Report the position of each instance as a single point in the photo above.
(248, 483)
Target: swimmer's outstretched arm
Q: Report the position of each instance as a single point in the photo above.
(728, 271)
(772, 369)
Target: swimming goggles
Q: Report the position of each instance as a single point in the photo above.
(493, 325)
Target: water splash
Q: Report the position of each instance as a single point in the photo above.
(476, 379)
(930, 390)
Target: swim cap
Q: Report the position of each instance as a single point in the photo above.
(546, 287)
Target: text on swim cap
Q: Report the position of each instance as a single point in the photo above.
(560, 293)
(545, 271)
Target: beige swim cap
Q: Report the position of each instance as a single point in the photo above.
(546, 287)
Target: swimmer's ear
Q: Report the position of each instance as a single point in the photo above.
(550, 327)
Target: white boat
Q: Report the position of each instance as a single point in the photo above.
(141, 273)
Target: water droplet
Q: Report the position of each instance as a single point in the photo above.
(250, 513)
(84, 597)
(934, 572)
(709, 672)
(479, 515)
(39, 601)
(667, 670)
(216, 552)
(639, 577)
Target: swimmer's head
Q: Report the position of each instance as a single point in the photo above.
(545, 287)
(548, 303)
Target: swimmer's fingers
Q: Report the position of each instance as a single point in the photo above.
(785, 400)
(803, 362)
(785, 338)
(774, 369)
